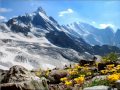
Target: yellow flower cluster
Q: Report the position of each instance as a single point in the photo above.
(77, 66)
(73, 72)
(77, 74)
(96, 64)
(110, 66)
(104, 71)
(68, 83)
(79, 80)
(64, 79)
(82, 75)
(114, 77)
(117, 67)
(38, 73)
(47, 72)
(111, 69)
(88, 73)
(85, 68)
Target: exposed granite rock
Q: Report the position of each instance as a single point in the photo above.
(2, 74)
(101, 77)
(55, 76)
(19, 78)
(98, 88)
(118, 84)
(27, 85)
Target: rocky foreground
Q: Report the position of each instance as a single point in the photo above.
(69, 78)
(19, 78)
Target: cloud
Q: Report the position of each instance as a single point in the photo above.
(106, 25)
(68, 11)
(2, 18)
(4, 10)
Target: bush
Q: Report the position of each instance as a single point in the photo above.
(112, 57)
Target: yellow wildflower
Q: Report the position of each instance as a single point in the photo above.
(79, 80)
(113, 77)
(38, 73)
(77, 66)
(64, 79)
(73, 72)
(110, 66)
(118, 67)
(82, 75)
(113, 70)
(104, 71)
(68, 83)
(88, 73)
(85, 68)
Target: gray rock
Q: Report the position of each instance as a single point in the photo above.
(27, 85)
(99, 77)
(19, 78)
(98, 88)
(17, 74)
(55, 76)
(77, 87)
(2, 74)
(118, 84)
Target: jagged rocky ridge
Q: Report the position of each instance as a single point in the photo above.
(37, 41)
(93, 35)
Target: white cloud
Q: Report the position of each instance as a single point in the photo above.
(68, 11)
(106, 25)
(2, 18)
(3, 10)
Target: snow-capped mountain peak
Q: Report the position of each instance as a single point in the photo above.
(37, 41)
(40, 9)
(93, 35)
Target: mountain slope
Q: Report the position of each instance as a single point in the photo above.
(37, 41)
(92, 35)
(25, 40)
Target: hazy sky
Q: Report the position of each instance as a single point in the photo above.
(100, 13)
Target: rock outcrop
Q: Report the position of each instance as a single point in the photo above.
(98, 88)
(55, 76)
(118, 84)
(19, 78)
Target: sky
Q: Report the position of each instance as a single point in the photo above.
(100, 13)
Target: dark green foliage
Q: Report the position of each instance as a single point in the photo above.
(112, 57)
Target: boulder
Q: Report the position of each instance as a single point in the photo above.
(26, 85)
(77, 87)
(2, 74)
(101, 77)
(83, 62)
(57, 87)
(118, 84)
(98, 88)
(19, 78)
(101, 66)
(56, 75)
